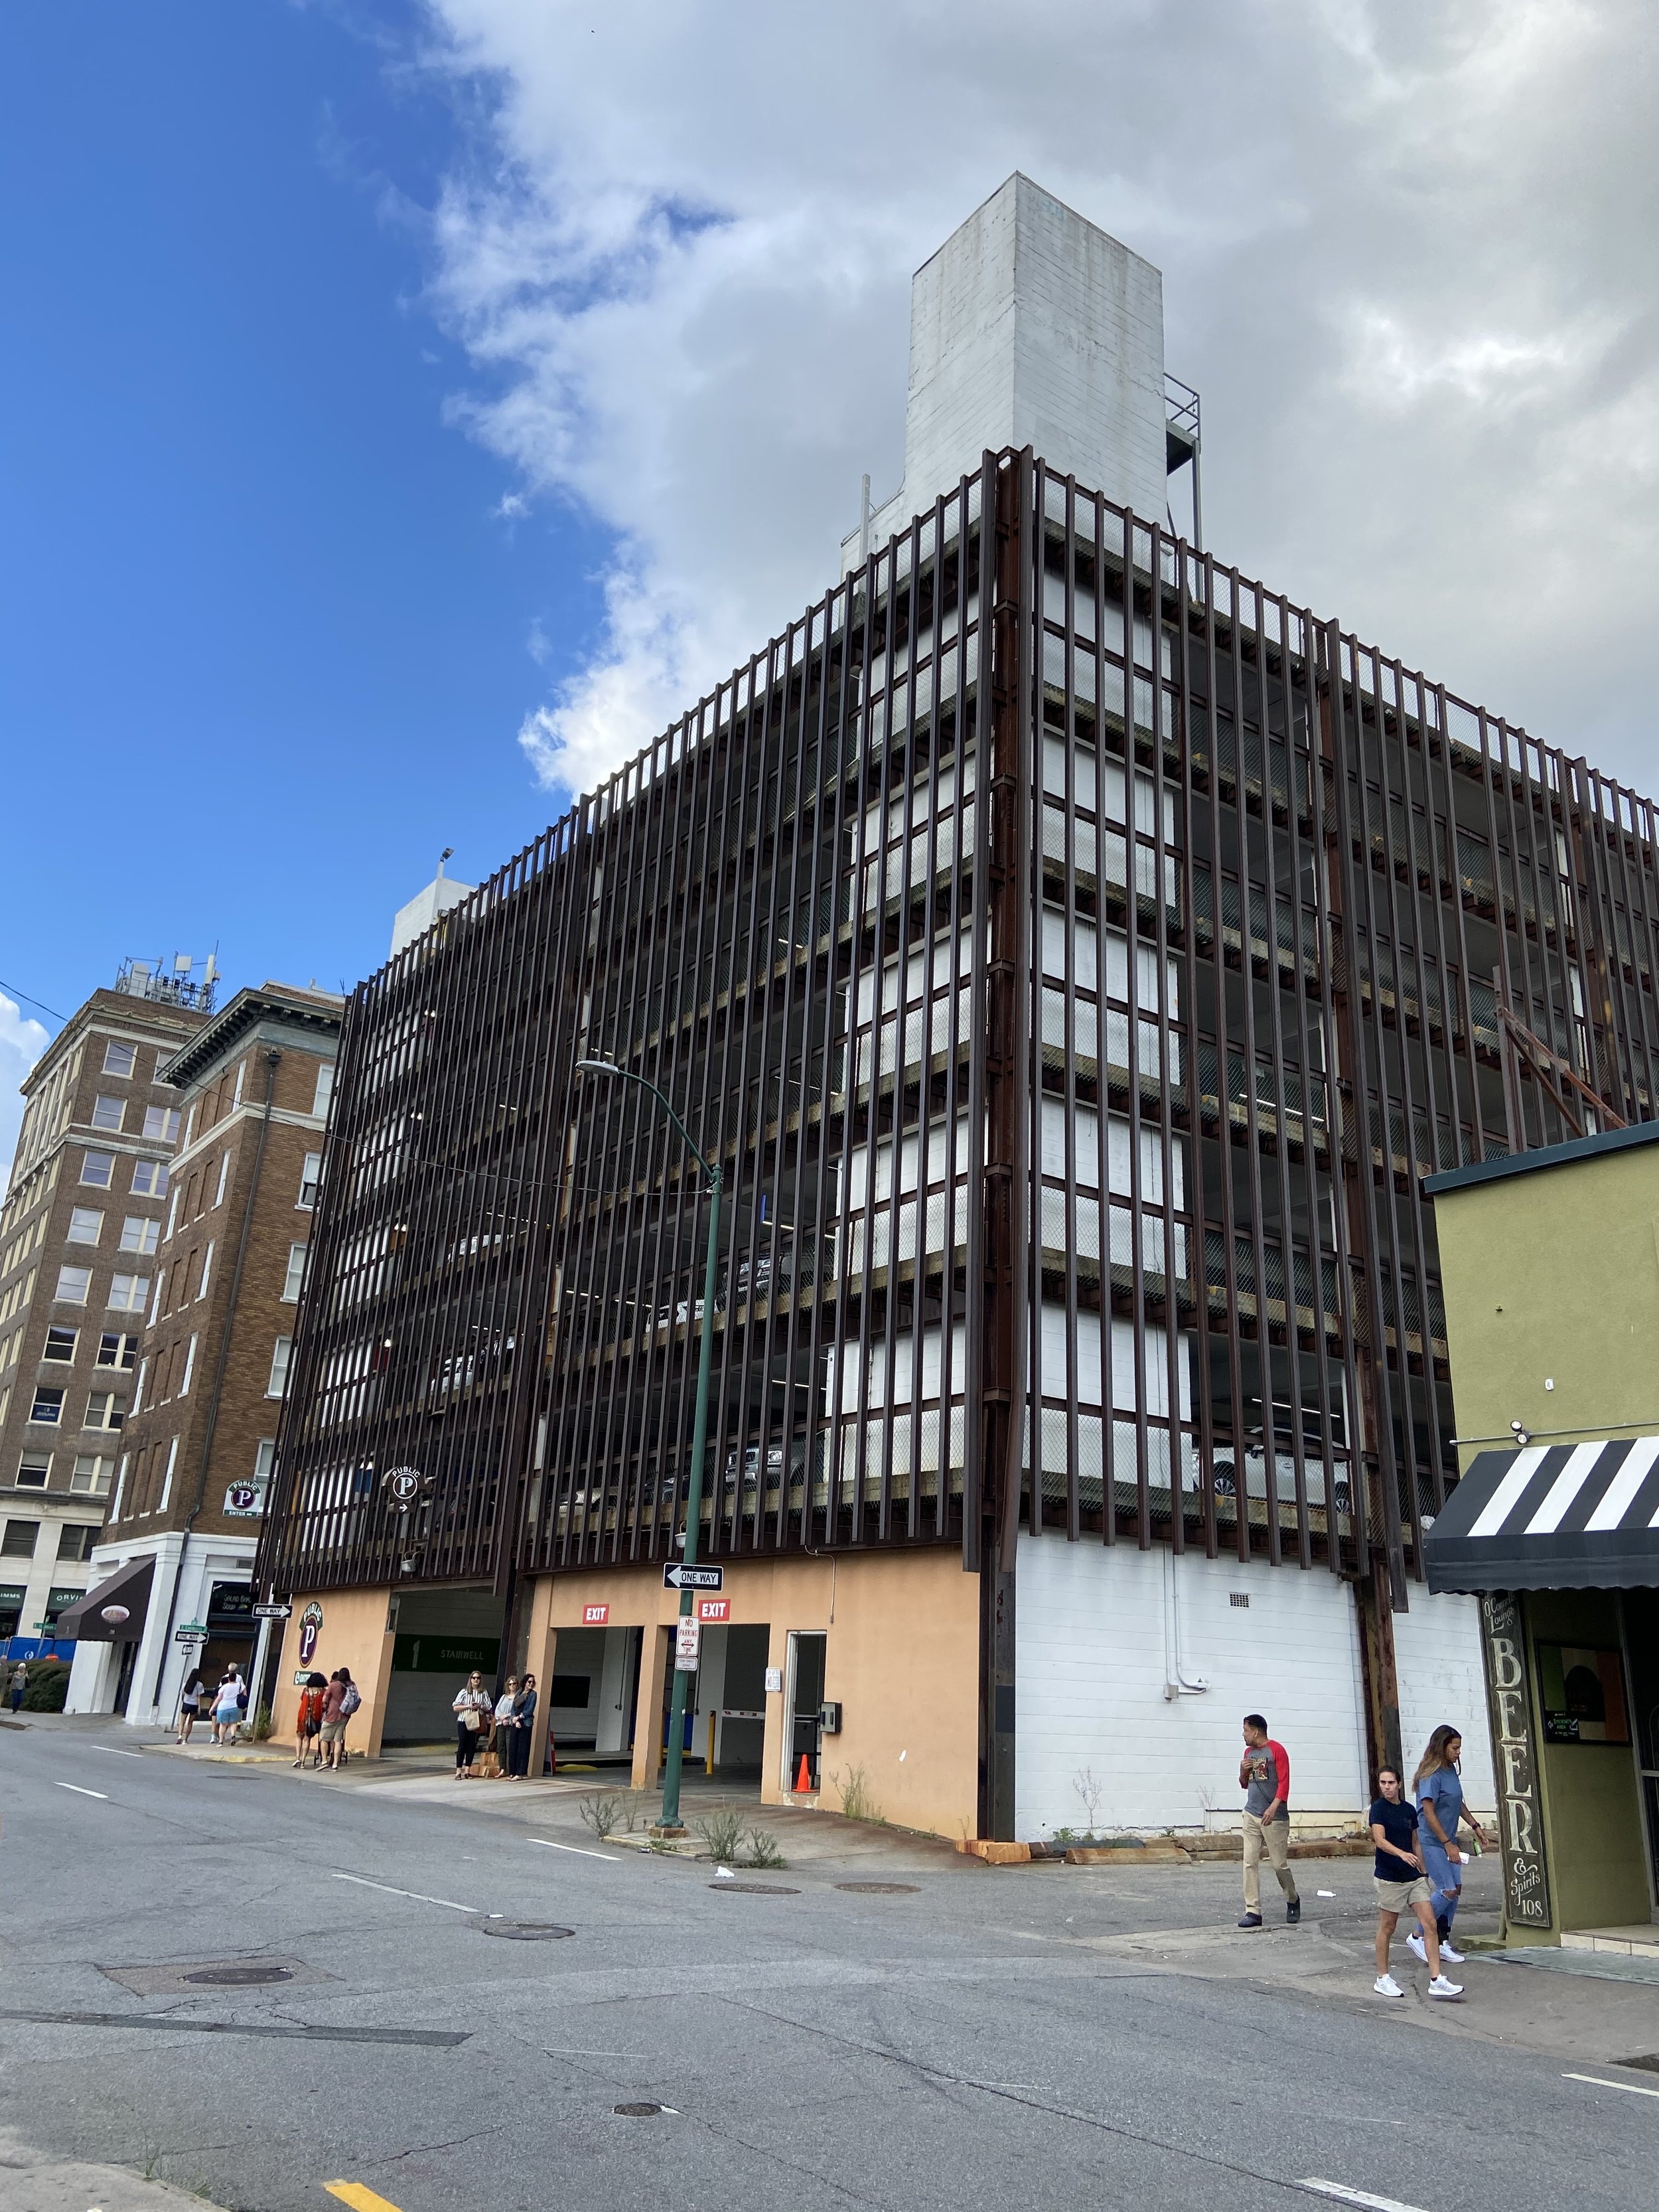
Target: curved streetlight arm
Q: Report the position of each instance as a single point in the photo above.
(676, 1745)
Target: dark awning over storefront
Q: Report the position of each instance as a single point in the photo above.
(129, 1586)
(1551, 1516)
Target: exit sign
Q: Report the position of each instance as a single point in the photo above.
(713, 1608)
(595, 1616)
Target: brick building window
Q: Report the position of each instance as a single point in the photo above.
(324, 1091)
(48, 1407)
(116, 1349)
(34, 1470)
(18, 1542)
(310, 1175)
(108, 1113)
(120, 1059)
(104, 1410)
(206, 1270)
(76, 1540)
(127, 1293)
(85, 1226)
(90, 1477)
(149, 1178)
(278, 1383)
(162, 1122)
(60, 1344)
(73, 1284)
(139, 1234)
(98, 1167)
(224, 1177)
(296, 1271)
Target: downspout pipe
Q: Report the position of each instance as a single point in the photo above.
(273, 1061)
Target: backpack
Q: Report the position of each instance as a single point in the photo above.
(349, 1702)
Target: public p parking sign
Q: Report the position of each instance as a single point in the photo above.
(311, 1627)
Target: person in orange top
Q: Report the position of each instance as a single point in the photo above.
(308, 1727)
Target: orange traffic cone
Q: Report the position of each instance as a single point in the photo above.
(804, 1779)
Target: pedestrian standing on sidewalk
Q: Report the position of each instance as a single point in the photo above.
(1264, 1774)
(524, 1727)
(351, 1698)
(228, 1707)
(503, 1728)
(333, 1720)
(190, 1703)
(308, 1725)
(19, 1682)
(1402, 1886)
(1438, 1789)
(472, 1721)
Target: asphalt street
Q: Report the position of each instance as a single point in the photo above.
(1050, 2038)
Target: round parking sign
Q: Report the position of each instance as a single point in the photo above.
(402, 1485)
(311, 1627)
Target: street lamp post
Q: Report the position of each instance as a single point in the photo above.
(676, 1747)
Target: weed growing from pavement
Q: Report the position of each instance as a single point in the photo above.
(600, 1815)
(722, 1831)
(1091, 1789)
(763, 1850)
(857, 1801)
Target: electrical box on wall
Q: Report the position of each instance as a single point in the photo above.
(829, 1718)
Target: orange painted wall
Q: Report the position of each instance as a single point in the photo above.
(354, 1635)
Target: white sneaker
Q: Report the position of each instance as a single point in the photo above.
(1414, 1945)
(1446, 1952)
(1440, 1987)
(1386, 1987)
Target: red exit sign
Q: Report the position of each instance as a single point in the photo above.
(713, 1608)
(595, 1616)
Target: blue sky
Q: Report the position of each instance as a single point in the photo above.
(409, 405)
(266, 634)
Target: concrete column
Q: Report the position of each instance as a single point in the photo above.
(647, 1713)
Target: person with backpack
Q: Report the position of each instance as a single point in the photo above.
(351, 1698)
(331, 1742)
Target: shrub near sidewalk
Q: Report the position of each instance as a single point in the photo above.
(48, 1685)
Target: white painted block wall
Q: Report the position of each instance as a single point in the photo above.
(1094, 1642)
(1438, 1667)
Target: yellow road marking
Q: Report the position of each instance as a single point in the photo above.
(359, 2196)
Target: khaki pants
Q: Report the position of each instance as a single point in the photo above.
(1275, 1841)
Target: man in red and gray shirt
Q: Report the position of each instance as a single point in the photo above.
(1264, 1773)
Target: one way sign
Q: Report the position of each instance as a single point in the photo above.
(675, 1577)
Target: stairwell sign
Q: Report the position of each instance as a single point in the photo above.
(677, 1578)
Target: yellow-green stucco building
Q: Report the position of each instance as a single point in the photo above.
(1550, 1264)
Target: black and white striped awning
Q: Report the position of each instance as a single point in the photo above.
(1551, 1516)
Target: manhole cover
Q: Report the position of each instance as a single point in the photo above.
(239, 1977)
(525, 1931)
(756, 1889)
(636, 2111)
(878, 1888)
(1649, 2065)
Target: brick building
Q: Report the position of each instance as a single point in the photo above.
(252, 1086)
(79, 1230)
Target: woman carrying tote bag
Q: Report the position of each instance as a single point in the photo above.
(472, 1715)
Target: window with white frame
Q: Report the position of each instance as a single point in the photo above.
(127, 1293)
(149, 1178)
(278, 1383)
(60, 1344)
(190, 1366)
(47, 1407)
(89, 1476)
(162, 1122)
(265, 1459)
(98, 1167)
(73, 1285)
(242, 1070)
(166, 1480)
(139, 1234)
(104, 1410)
(189, 1123)
(173, 1214)
(224, 1177)
(296, 1271)
(206, 1270)
(108, 1113)
(310, 1177)
(324, 1091)
(120, 1484)
(35, 1470)
(85, 1226)
(120, 1059)
(116, 1349)
(155, 1303)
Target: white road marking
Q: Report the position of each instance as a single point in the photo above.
(80, 1792)
(1630, 2088)
(419, 1896)
(110, 1750)
(610, 1857)
(1356, 2196)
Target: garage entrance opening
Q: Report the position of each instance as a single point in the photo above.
(725, 1707)
(592, 1694)
(439, 1636)
(805, 1685)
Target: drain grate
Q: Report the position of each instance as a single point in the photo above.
(636, 2111)
(1649, 2065)
(756, 1888)
(238, 1977)
(880, 1888)
(524, 1931)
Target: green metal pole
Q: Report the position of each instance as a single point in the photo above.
(670, 1783)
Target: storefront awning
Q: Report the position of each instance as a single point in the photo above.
(1551, 1516)
(128, 1586)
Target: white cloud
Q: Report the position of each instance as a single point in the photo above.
(1409, 258)
(22, 1041)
